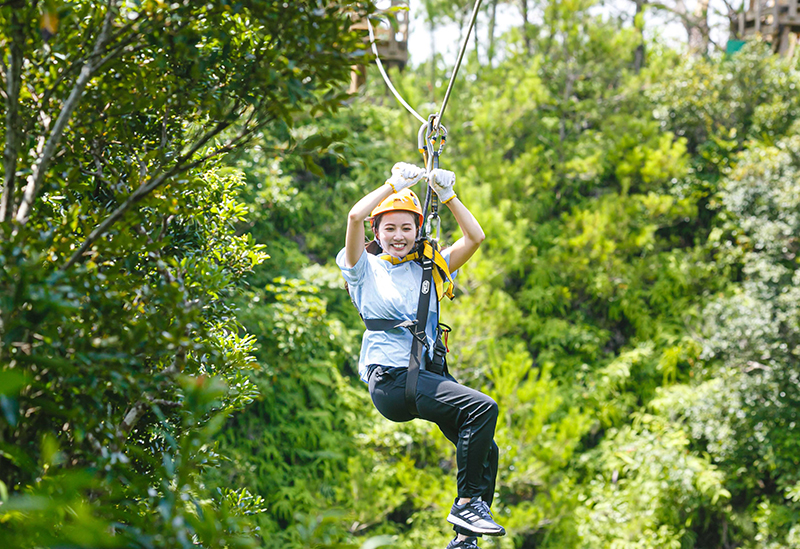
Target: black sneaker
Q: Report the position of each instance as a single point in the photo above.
(469, 543)
(476, 517)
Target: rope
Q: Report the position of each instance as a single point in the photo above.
(438, 119)
(386, 77)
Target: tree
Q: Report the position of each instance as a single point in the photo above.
(696, 21)
(120, 349)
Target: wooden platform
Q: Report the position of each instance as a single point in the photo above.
(392, 44)
(776, 20)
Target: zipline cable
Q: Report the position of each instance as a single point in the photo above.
(431, 128)
(409, 108)
(402, 101)
(438, 118)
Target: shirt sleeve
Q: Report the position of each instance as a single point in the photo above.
(354, 275)
(446, 256)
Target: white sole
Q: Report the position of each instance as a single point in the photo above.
(452, 519)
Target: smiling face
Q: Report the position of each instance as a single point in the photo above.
(397, 232)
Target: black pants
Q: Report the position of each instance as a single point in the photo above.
(465, 416)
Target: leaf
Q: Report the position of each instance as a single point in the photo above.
(17, 456)
(49, 21)
(378, 541)
(313, 167)
(316, 142)
(10, 409)
(11, 381)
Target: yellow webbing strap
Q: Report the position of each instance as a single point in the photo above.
(440, 274)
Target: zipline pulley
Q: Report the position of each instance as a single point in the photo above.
(428, 138)
(432, 129)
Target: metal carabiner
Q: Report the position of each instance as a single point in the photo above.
(441, 134)
(427, 137)
(422, 137)
(433, 225)
(426, 141)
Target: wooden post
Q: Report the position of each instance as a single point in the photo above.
(741, 26)
(358, 77)
(758, 15)
(792, 9)
(776, 28)
(785, 39)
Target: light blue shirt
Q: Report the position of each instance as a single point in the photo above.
(382, 290)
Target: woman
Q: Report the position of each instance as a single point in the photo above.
(385, 287)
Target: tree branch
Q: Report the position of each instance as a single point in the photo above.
(166, 403)
(11, 96)
(132, 417)
(688, 20)
(66, 72)
(101, 163)
(245, 134)
(40, 166)
(165, 274)
(143, 190)
(138, 410)
(163, 131)
(136, 32)
(731, 10)
(146, 188)
(753, 365)
(3, 79)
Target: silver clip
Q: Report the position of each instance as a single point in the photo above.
(434, 225)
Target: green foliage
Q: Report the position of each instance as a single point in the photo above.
(744, 411)
(646, 488)
(296, 465)
(122, 255)
(122, 373)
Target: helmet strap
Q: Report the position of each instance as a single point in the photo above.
(374, 247)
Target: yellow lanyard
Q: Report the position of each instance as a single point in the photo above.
(440, 273)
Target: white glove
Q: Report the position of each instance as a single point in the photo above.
(404, 175)
(442, 182)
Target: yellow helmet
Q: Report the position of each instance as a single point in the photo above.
(404, 201)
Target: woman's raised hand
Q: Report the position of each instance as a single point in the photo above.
(442, 182)
(404, 175)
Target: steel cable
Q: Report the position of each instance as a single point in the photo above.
(402, 101)
(438, 119)
(409, 108)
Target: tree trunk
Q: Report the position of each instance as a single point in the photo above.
(11, 149)
(526, 26)
(696, 25)
(680, 9)
(638, 55)
(699, 33)
(492, 23)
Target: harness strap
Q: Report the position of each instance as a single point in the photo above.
(428, 249)
(420, 343)
(384, 325)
